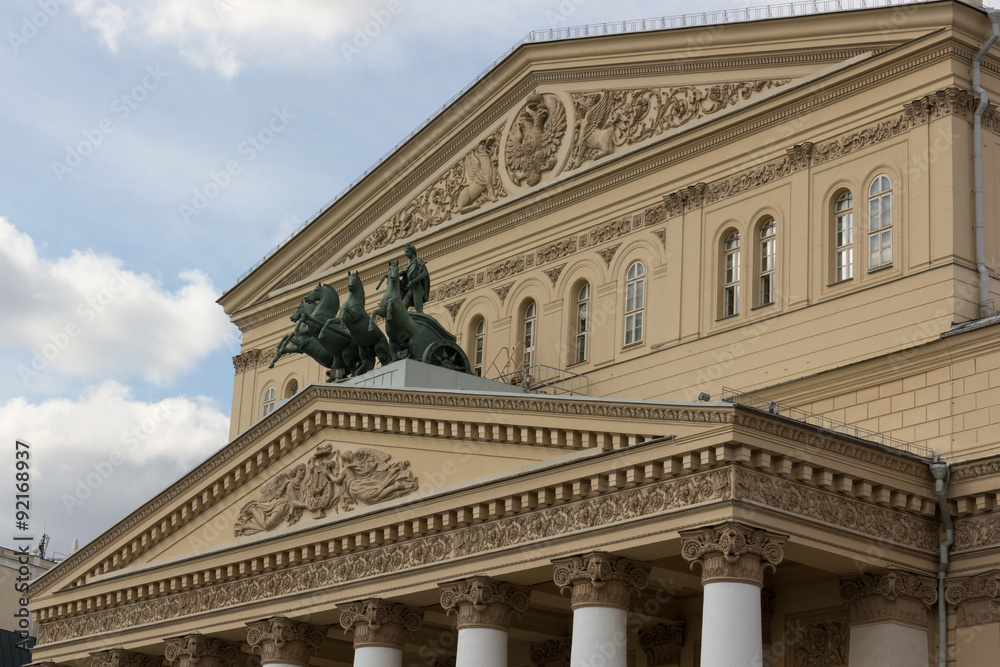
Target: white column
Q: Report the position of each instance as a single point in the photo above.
(601, 585)
(733, 558)
(282, 642)
(888, 618)
(484, 608)
(379, 628)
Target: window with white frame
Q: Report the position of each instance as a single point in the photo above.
(843, 237)
(530, 315)
(731, 275)
(270, 397)
(880, 223)
(479, 347)
(768, 258)
(635, 302)
(582, 322)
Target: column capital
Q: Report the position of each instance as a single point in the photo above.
(482, 602)
(976, 598)
(599, 579)
(662, 643)
(119, 657)
(733, 551)
(889, 595)
(280, 639)
(551, 653)
(378, 622)
(197, 650)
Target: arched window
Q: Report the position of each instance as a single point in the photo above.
(478, 346)
(635, 301)
(767, 258)
(880, 223)
(843, 237)
(731, 275)
(291, 388)
(270, 396)
(528, 356)
(582, 322)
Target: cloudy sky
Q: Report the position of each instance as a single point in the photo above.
(120, 224)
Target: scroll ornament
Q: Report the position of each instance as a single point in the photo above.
(331, 480)
(280, 639)
(733, 552)
(197, 650)
(600, 579)
(482, 602)
(117, 657)
(377, 622)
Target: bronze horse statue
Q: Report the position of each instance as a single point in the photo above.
(318, 333)
(370, 340)
(399, 326)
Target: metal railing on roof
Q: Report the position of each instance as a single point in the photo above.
(774, 408)
(719, 17)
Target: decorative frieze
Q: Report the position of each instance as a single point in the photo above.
(377, 622)
(890, 595)
(977, 531)
(534, 139)
(482, 602)
(600, 579)
(553, 251)
(118, 657)
(551, 653)
(279, 639)
(200, 651)
(662, 643)
(976, 598)
(611, 230)
(733, 552)
(455, 287)
(678, 203)
(251, 359)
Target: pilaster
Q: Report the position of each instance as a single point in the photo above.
(282, 640)
(976, 599)
(197, 650)
(890, 595)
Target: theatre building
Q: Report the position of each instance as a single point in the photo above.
(727, 291)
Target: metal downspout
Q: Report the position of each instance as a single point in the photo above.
(939, 470)
(977, 166)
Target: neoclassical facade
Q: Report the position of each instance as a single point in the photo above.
(730, 292)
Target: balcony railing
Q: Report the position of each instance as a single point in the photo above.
(546, 379)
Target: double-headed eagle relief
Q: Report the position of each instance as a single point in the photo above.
(534, 139)
(330, 481)
(346, 339)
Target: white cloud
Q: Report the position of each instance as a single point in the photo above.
(85, 315)
(98, 456)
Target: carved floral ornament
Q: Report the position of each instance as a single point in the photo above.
(822, 644)
(118, 657)
(733, 552)
(600, 579)
(199, 651)
(662, 643)
(551, 653)
(377, 622)
(893, 595)
(279, 639)
(976, 598)
(482, 602)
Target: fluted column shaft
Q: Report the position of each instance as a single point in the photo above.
(888, 618)
(379, 628)
(601, 585)
(484, 608)
(733, 558)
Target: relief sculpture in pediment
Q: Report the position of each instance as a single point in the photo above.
(534, 139)
(608, 119)
(331, 480)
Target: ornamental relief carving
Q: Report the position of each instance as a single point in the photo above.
(598, 578)
(117, 657)
(733, 552)
(195, 649)
(889, 595)
(469, 184)
(976, 598)
(551, 653)
(377, 622)
(820, 644)
(252, 359)
(609, 119)
(534, 139)
(331, 480)
(280, 639)
(977, 531)
(662, 643)
(482, 602)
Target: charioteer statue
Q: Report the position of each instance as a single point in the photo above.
(347, 340)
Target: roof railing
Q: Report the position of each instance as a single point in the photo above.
(773, 407)
(719, 17)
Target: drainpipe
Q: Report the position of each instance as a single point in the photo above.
(939, 470)
(977, 166)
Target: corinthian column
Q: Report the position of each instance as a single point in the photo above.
(379, 627)
(733, 558)
(282, 642)
(196, 650)
(888, 618)
(117, 657)
(484, 608)
(977, 601)
(601, 585)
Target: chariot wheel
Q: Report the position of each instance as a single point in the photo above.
(447, 354)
